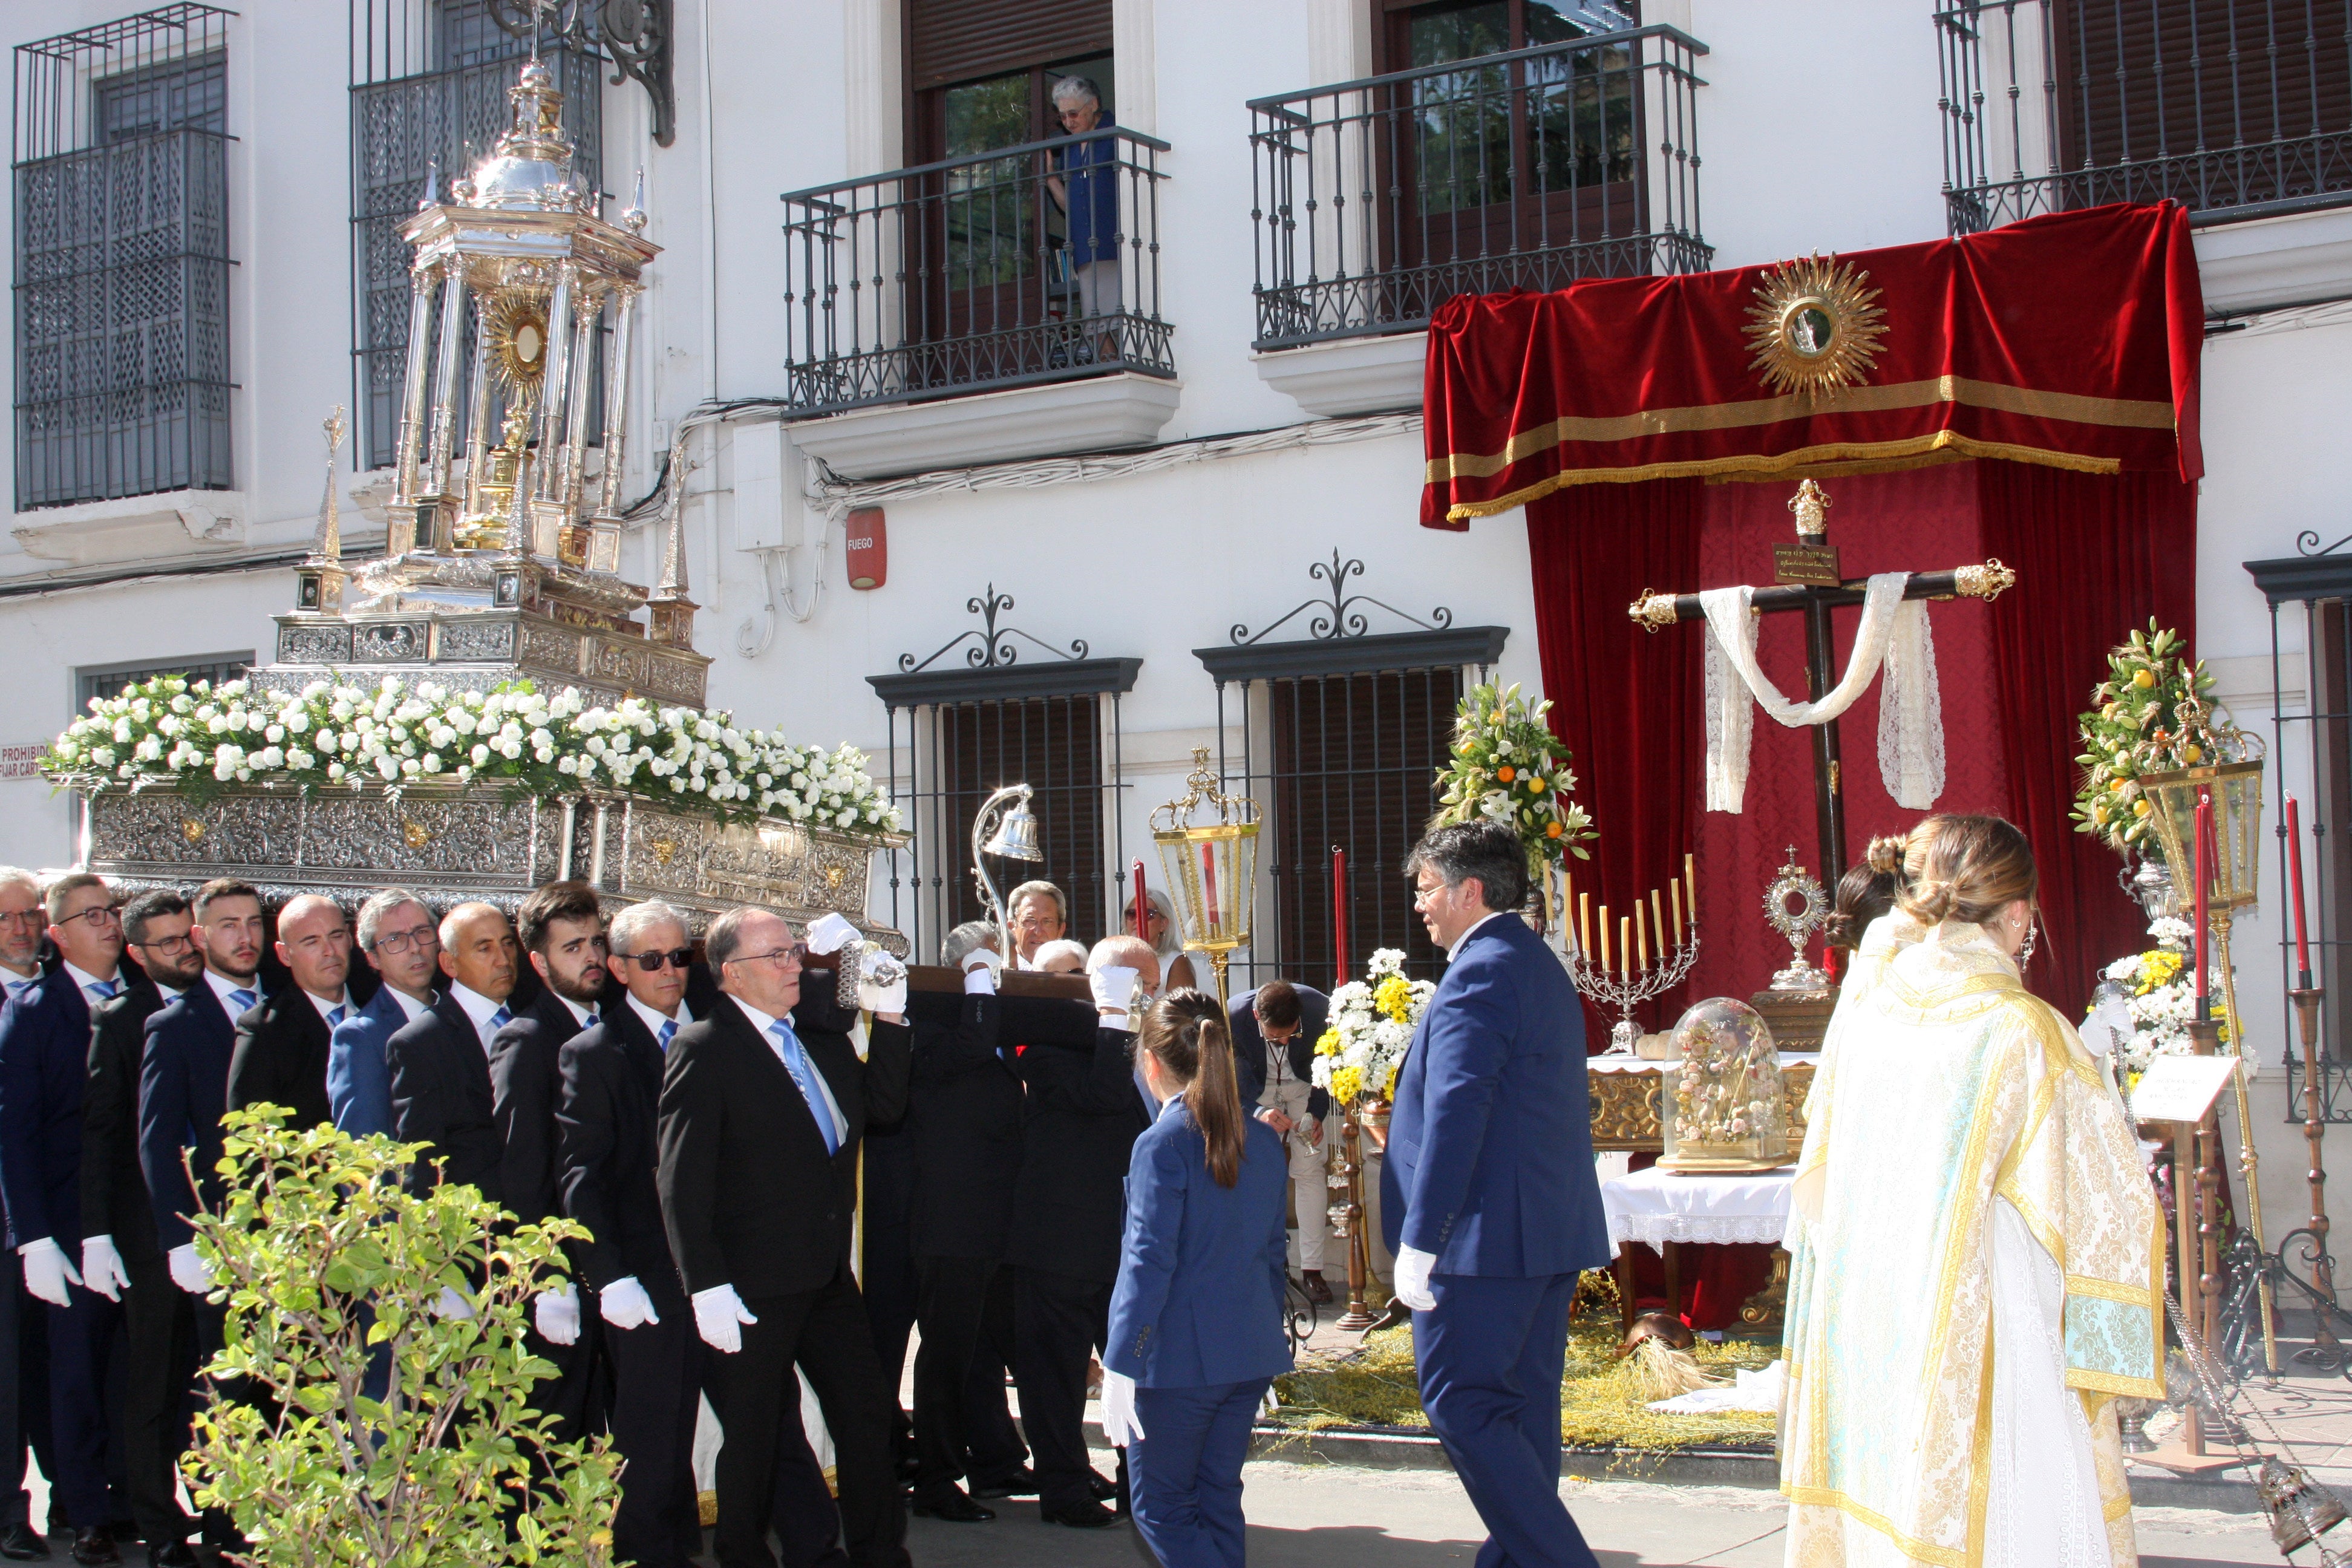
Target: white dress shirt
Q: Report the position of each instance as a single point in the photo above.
(1455, 951)
(410, 1008)
(481, 1010)
(654, 1021)
(582, 1012)
(86, 980)
(223, 987)
(763, 1022)
(327, 1005)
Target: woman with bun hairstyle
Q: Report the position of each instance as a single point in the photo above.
(1986, 1258)
(1196, 1317)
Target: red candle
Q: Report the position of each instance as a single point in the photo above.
(2295, 876)
(1142, 906)
(2203, 858)
(1209, 883)
(1340, 910)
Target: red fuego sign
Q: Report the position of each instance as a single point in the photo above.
(870, 548)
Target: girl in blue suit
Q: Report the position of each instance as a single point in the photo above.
(1196, 1317)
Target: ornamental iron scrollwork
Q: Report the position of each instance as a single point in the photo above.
(992, 648)
(634, 35)
(1335, 618)
(2307, 542)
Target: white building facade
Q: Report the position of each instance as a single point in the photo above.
(939, 328)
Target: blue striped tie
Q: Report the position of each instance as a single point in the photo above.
(502, 1018)
(105, 988)
(242, 1000)
(337, 1016)
(796, 1062)
(669, 1028)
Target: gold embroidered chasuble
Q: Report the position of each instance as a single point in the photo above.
(1945, 1083)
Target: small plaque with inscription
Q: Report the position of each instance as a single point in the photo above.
(1810, 564)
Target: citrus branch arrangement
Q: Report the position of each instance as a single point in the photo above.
(2151, 716)
(1505, 764)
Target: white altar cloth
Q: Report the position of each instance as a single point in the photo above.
(1655, 1206)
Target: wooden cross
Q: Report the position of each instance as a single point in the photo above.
(1806, 580)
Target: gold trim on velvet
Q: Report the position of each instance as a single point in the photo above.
(1852, 458)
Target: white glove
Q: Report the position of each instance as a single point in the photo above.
(1118, 1419)
(1412, 1266)
(1114, 988)
(882, 984)
(625, 1304)
(557, 1314)
(830, 933)
(980, 968)
(189, 1272)
(720, 1317)
(449, 1304)
(48, 1270)
(101, 1268)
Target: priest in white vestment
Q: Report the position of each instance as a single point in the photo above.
(1981, 1260)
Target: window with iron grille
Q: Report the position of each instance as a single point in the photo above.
(959, 733)
(122, 175)
(1338, 738)
(429, 80)
(108, 679)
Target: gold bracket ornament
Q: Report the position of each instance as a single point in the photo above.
(1653, 610)
(1987, 581)
(1815, 326)
(414, 833)
(191, 829)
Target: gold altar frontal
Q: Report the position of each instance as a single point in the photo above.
(1625, 1105)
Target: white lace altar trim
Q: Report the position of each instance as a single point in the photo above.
(1653, 1230)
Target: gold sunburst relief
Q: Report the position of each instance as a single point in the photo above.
(518, 329)
(1815, 326)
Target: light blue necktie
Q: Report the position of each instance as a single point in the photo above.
(337, 1014)
(796, 1062)
(669, 1028)
(502, 1018)
(242, 1000)
(105, 988)
(17, 987)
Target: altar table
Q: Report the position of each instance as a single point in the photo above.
(1663, 1209)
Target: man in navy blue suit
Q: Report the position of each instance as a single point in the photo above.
(44, 1061)
(397, 936)
(1487, 1195)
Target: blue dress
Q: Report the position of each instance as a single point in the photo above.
(1091, 176)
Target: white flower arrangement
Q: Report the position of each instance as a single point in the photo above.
(2159, 993)
(1371, 1024)
(204, 739)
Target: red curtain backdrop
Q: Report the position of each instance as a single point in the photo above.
(2070, 338)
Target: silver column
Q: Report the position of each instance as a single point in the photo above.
(616, 397)
(555, 388)
(421, 284)
(583, 374)
(445, 378)
(477, 441)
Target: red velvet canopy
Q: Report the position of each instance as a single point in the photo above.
(2070, 340)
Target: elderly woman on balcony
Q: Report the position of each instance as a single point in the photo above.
(1086, 188)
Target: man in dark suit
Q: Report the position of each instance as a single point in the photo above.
(1080, 1125)
(562, 927)
(1273, 1030)
(397, 937)
(183, 1093)
(439, 1065)
(45, 1034)
(23, 1428)
(119, 1257)
(760, 1127)
(280, 1058)
(1487, 1195)
(609, 1130)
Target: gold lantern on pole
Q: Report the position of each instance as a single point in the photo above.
(1211, 867)
(2235, 788)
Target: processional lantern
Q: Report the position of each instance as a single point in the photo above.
(1210, 867)
(2236, 792)
(1014, 838)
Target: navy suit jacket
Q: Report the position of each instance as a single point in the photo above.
(441, 1099)
(359, 1086)
(1202, 1269)
(1250, 1065)
(1489, 1162)
(182, 1090)
(43, 1062)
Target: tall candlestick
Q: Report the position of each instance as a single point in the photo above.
(2204, 848)
(1340, 910)
(1142, 905)
(1605, 964)
(1209, 887)
(1584, 923)
(1690, 890)
(2294, 876)
(1625, 944)
(1567, 900)
(1641, 937)
(1677, 888)
(1658, 921)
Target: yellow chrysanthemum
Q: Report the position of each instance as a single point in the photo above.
(1393, 997)
(1346, 1084)
(1327, 1044)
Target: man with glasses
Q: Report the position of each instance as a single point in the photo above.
(763, 1106)
(439, 1064)
(398, 938)
(562, 932)
(119, 1255)
(1273, 1030)
(23, 920)
(281, 1050)
(45, 1034)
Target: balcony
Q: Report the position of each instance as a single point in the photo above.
(2235, 109)
(1376, 201)
(1030, 264)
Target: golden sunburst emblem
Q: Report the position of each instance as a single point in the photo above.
(1815, 326)
(518, 328)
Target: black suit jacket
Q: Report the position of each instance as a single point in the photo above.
(748, 1197)
(1249, 1046)
(524, 1082)
(114, 1200)
(281, 1058)
(441, 1098)
(182, 1091)
(608, 1153)
(1082, 1117)
(963, 1121)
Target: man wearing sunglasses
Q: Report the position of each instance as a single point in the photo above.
(398, 938)
(762, 1107)
(120, 1258)
(561, 926)
(45, 1034)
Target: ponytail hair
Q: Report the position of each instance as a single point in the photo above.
(1186, 1030)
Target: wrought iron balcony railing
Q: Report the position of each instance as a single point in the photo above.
(1033, 263)
(2231, 108)
(1375, 201)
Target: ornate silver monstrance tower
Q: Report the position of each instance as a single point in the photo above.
(511, 567)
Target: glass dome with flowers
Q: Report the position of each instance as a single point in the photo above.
(1725, 1107)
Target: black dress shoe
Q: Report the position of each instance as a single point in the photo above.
(1080, 1516)
(94, 1547)
(1022, 1482)
(178, 1555)
(1104, 1489)
(956, 1509)
(22, 1543)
